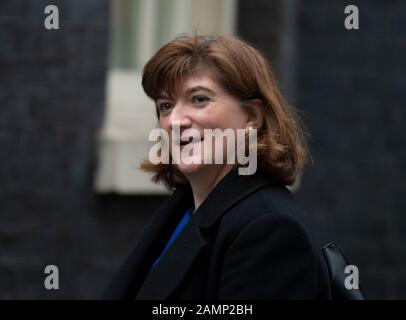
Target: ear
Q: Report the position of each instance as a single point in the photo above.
(255, 113)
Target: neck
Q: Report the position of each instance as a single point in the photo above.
(203, 182)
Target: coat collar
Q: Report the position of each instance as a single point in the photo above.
(173, 266)
(230, 190)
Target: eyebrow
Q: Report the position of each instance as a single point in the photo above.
(198, 88)
(190, 90)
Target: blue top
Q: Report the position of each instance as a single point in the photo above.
(175, 234)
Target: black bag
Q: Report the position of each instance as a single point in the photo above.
(336, 263)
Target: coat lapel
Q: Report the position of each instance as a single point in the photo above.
(152, 239)
(230, 190)
(175, 263)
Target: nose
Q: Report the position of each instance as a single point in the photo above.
(179, 117)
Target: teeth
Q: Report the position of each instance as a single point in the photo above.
(185, 142)
(189, 140)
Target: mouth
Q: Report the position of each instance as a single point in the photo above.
(187, 141)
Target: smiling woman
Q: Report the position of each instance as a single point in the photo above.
(223, 235)
(200, 109)
(240, 80)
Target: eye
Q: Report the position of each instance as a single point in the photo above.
(164, 106)
(199, 99)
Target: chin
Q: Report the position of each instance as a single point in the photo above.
(190, 169)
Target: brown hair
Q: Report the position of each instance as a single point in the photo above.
(244, 72)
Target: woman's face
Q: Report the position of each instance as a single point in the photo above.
(200, 103)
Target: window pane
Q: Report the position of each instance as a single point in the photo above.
(122, 39)
(164, 26)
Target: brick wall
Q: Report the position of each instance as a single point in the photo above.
(52, 91)
(350, 89)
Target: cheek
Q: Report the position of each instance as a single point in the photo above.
(230, 121)
(207, 120)
(164, 125)
(230, 116)
(220, 116)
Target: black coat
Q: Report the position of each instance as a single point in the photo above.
(247, 240)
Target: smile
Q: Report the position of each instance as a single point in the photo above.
(190, 140)
(216, 151)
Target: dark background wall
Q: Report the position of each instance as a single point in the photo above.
(350, 88)
(52, 93)
(349, 85)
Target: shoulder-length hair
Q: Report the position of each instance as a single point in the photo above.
(244, 72)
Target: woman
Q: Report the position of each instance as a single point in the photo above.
(221, 234)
